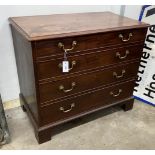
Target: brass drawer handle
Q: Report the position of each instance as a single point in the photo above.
(115, 95)
(61, 87)
(73, 64)
(62, 46)
(123, 39)
(65, 111)
(119, 76)
(122, 57)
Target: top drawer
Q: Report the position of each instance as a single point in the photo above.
(57, 46)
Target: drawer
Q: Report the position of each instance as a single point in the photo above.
(75, 84)
(56, 46)
(86, 102)
(78, 63)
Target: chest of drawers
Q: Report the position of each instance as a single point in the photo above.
(103, 51)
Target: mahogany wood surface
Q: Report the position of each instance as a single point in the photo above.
(49, 68)
(99, 52)
(50, 90)
(66, 25)
(50, 47)
(24, 61)
(51, 112)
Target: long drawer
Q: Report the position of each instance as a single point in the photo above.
(86, 102)
(56, 46)
(85, 61)
(75, 84)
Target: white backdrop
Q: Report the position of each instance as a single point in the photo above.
(9, 87)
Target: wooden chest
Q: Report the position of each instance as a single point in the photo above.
(103, 51)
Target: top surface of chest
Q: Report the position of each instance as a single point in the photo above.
(64, 25)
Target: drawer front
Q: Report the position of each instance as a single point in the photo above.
(78, 63)
(71, 107)
(56, 46)
(75, 84)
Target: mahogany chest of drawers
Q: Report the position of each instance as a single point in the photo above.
(103, 51)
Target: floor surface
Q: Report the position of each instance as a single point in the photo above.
(108, 129)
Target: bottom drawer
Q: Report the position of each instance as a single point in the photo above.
(79, 104)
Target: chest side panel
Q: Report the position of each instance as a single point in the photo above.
(24, 62)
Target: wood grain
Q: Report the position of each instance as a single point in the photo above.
(84, 43)
(64, 25)
(50, 90)
(97, 98)
(25, 68)
(48, 69)
(37, 54)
